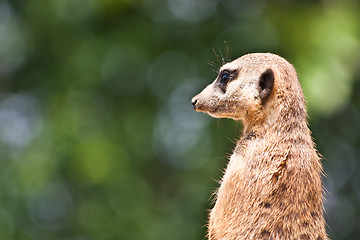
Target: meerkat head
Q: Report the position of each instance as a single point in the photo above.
(240, 91)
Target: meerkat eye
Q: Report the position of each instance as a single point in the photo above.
(224, 77)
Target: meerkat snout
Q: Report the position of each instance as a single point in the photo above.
(194, 101)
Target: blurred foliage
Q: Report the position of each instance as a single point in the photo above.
(98, 139)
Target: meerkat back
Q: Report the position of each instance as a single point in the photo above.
(271, 188)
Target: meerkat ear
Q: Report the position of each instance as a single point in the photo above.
(266, 83)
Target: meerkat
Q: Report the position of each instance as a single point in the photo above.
(271, 188)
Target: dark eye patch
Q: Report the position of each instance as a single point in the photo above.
(226, 76)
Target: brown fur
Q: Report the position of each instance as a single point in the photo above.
(271, 188)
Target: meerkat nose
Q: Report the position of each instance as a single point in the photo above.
(194, 101)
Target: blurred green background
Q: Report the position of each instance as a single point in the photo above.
(98, 138)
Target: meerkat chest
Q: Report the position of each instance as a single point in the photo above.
(243, 157)
(237, 163)
(234, 176)
(245, 174)
(237, 174)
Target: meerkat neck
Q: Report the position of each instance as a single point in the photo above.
(287, 117)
